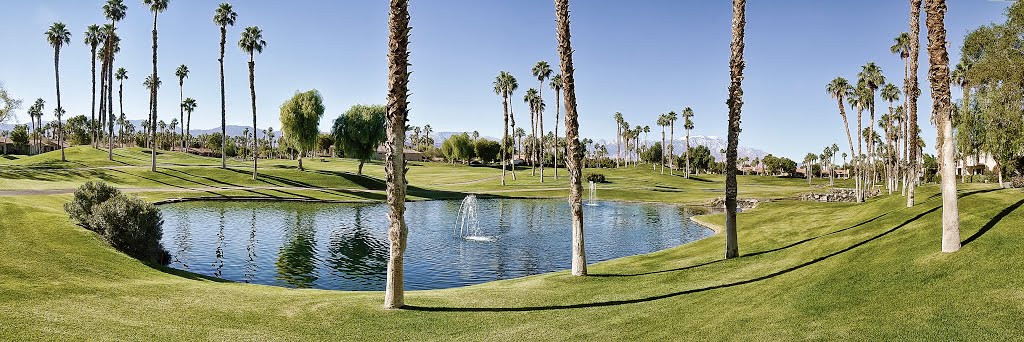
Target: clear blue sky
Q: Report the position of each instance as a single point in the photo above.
(641, 58)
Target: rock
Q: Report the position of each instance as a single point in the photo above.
(838, 195)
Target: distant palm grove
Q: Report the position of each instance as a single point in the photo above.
(881, 147)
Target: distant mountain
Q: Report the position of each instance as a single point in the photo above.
(440, 137)
(232, 130)
(715, 144)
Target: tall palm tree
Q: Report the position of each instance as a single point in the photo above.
(34, 112)
(58, 36)
(572, 162)
(663, 122)
(121, 75)
(901, 47)
(890, 93)
(155, 6)
(913, 92)
(556, 85)
(618, 137)
(92, 39)
(182, 74)
(542, 71)
(519, 134)
(224, 16)
(688, 125)
(394, 160)
(672, 117)
(530, 98)
(188, 106)
(115, 11)
(873, 79)
(504, 85)
(938, 75)
(150, 83)
(537, 106)
(859, 100)
(252, 43)
(735, 102)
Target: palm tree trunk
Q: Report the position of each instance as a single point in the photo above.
(110, 102)
(939, 79)
(120, 96)
(663, 150)
(687, 153)
(533, 146)
(512, 125)
(181, 111)
(860, 152)
(56, 72)
(152, 94)
(252, 93)
(223, 107)
(672, 148)
(93, 115)
(504, 136)
(572, 160)
(540, 141)
(394, 163)
(558, 104)
(915, 46)
(735, 102)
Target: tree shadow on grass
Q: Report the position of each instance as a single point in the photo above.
(673, 294)
(992, 223)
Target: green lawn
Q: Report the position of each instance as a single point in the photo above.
(808, 271)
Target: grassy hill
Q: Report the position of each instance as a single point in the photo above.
(808, 271)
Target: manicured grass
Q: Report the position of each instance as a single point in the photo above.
(808, 271)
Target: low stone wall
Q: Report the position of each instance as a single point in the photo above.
(837, 195)
(742, 203)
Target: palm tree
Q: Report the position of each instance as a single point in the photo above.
(58, 36)
(873, 79)
(182, 74)
(394, 160)
(542, 71)
(537, 106)
(841, 89)
(618, 137)
(556, 85)
(901, 47)
(688, 125)
(121, 75)
(224, 16)
(735, 102)
(150, 83)
(92, 39)
(663, 122)
(891, 94)
(913, 92)
(155, 6)
(252, 43)
(35, 111)
(572, 163)
(504, 85)
(520, 133)
(115, 11)
(938, 75)
(808, 159)
(530, 98)
(188, 105)
(672, 117)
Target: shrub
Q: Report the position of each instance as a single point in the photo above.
(1017, 182)
(595, 177)
(132, 226)
(86, 198)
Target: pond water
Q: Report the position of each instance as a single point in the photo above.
(345, 246)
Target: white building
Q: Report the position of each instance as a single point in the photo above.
(975, 165)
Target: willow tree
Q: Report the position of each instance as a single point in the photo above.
(394, 160)
(359, 131)
(556, 85)
(252, 43)
(182, 73)
(938, 76)
(573, 160)
(300, 121)
(913, 92)
(223, 17)
(735, 103)
(58, 36)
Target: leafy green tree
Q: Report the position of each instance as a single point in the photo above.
(78, 130)
(20, 136)
(458, 147)
(300, 120)
(700, 159)
(223, 17)
(359, 131)
(486, 150)
(652, 154)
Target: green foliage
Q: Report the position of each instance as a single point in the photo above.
(595, 177)
(324, 142)
(359, 131)
(300, 119)
(132, 226)
(86, 198)
(20, 135)
(458, 147)
(487, 150)
(931, 168)
(700, 159)
(213, 141)
(77, 128)
(652, 154)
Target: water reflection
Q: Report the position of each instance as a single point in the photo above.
(345, 246)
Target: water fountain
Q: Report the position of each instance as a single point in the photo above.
(467, 224)
(592, 198)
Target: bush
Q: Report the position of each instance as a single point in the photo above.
(86, 198)
(595, 177)
(1017, 182)
(132, 226)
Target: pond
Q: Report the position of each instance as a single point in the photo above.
(344, 246)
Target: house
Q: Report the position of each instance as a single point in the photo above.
(6, 145)
(976, 165)
(410, 154)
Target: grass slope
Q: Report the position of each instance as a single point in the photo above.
(808, 271)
